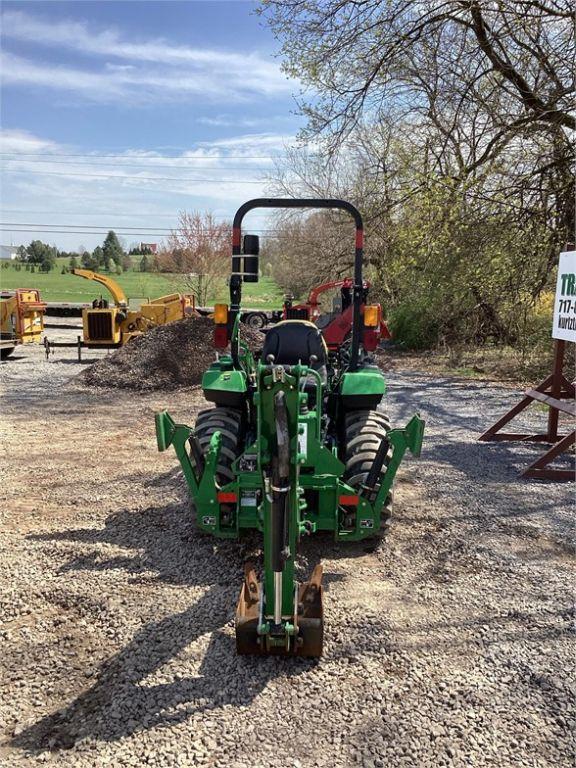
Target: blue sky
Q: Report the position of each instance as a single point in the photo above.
(187, 99)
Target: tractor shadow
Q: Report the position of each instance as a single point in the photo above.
(223, 679)
(165, 547)
(162, 544)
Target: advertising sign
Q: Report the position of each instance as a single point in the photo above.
(564, 323)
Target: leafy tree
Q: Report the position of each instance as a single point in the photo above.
(144, 265)
(87, 260)
(449, 126)
(42, 254)
(127, 263)
(112, 248)
(73, 263)
(98, 257)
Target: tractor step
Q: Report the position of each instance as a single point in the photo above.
(308, 624)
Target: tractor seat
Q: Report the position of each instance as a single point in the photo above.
(295, 341)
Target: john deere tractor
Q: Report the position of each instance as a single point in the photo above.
(295, 443)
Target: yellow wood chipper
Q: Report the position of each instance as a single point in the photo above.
(106, 326)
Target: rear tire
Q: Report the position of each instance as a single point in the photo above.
(228, 422)
(364, 431)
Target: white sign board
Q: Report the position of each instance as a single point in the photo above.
(564, 324)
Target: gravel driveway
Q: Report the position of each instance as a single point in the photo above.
(452, 644)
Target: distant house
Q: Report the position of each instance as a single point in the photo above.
(8, 252)
(152, 247)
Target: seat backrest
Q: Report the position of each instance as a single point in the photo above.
(294, 341)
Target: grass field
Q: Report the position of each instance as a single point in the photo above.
(54, 286)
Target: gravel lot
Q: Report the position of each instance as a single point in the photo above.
(452, 644)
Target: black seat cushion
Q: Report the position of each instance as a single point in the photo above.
(295, 341)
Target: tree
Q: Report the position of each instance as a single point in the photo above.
(127, 263)
(448, 123)
(472, 83)
(73, 263)
(144, 263)
(42, 254)
(112, 249)
(98, 257)
(87, 261)
(199, 248)
(308, 251)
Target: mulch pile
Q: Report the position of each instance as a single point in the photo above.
(172, 356)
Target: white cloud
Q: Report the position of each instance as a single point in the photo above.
(228, 121)
(231, 121)
(119, 67)
(156, 66)
(147, 188)
(24, 141)
(96, 87)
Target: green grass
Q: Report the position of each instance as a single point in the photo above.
(54, 286)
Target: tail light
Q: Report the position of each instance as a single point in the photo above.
(370, 340)
(221, 326)
(220, 336)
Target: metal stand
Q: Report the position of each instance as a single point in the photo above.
(49, 346)
(552, 391)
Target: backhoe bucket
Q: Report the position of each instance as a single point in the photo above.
(251, 635)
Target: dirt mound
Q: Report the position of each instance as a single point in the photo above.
(172, 356)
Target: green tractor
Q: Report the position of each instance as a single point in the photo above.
(294, 444)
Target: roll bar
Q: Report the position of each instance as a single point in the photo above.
(270, 202)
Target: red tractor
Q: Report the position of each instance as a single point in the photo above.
(336, 325)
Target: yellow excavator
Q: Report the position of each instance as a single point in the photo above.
(21, 319)
(106, 326)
